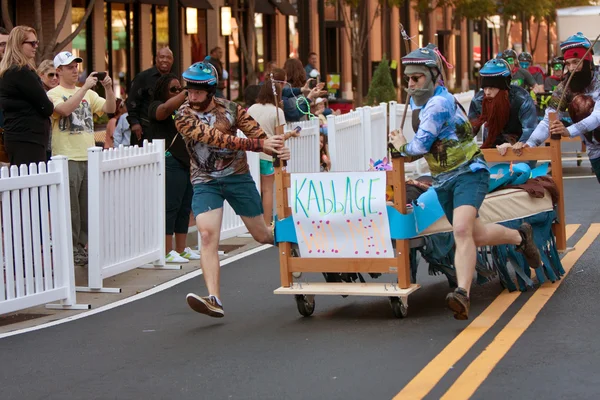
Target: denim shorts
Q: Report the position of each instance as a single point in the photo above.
(467, 189)
(239, 190)
(266, 167)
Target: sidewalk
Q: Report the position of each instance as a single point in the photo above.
(131, 283)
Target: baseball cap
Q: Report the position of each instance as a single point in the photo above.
(65, 58)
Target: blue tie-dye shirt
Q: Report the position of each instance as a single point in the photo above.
(445, 138)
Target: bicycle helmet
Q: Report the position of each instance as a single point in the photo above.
(495, 73)
(201, 76)
(525, 59)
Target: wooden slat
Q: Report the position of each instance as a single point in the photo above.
(529, 153)
(402, 246)
(283, 211)
(352, 289)
(559, 229)
(381, 265)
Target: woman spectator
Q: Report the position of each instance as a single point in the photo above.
(122, 135)
(22, 97)
(109, 139)
(168, 97)
(49, 77)
(298, 96)
(266, 113)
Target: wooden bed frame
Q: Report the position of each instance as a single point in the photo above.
(399, 265)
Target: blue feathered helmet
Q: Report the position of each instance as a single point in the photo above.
(496, 73)
(576, 46)
(201, 76)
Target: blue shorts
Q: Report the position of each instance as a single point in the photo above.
(468, 189)
(239, 190)
(266, 167)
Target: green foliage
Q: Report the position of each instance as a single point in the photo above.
(538, 9)
(382, 88)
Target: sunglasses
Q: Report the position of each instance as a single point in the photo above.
(33, 43)
(175, 89)
(510, 60)
(557, 67)
(51, 75)
(414, 78)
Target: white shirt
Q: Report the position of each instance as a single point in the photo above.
(266, 116)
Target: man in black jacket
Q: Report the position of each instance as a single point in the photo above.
(140, 95)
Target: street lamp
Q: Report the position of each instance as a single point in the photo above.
(226, 32)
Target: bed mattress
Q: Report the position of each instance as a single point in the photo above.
(500, 206)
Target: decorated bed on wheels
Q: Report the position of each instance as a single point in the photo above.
(342, 225)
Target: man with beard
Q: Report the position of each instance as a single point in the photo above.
(140, 96)
(443, 132)
(507, 110)
(219, 171)
(581, 97)
(557, 66)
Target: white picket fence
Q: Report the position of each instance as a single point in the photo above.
(305, 148)
(375, 123)
(126, 211)
(347, 142)
(37, 248)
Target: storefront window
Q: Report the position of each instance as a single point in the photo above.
(293, 38)
(260, 44)
(162, 27)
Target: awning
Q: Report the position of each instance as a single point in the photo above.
(202, 4)
(264, 7)
(284, 7)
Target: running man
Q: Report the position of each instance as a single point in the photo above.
(219, 172)
(460, 174)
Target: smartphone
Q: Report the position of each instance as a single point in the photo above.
(100, 76)
(312, 83)
(297, 129)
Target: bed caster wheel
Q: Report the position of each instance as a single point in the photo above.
(305, 304)
(398, 308)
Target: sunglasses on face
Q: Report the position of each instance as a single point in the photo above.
(51, 75)
(414, 78)
(33, 43)
(510, 60)
(175, 89)
(557, 67)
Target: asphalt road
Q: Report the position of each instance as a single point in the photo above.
(353, 348)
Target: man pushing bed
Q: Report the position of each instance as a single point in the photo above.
(460, 173)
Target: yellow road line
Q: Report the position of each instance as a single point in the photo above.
(482, 366)
(433, 372)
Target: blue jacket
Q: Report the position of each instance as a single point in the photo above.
(290, 105)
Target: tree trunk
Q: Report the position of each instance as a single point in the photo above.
(37, 18)
(534, 43)
(246, 43)
(5, 16)
(358, 102)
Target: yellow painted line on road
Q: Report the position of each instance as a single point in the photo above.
(482, 366)
(433, 372)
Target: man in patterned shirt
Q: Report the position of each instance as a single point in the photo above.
(459, 171)
(219, 171)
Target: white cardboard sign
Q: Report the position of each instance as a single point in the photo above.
(341, 215)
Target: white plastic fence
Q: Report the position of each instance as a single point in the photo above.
(347, 142)
(375, 127)
(37, 248)
(305, 148)
(126, 211)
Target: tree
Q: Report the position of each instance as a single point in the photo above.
(49, 44)
(382, 88)
(358, 27)
(247, 41)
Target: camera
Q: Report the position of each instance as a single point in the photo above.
(100, 76)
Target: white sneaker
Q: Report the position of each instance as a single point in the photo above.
(174, 257)
(190, 254)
